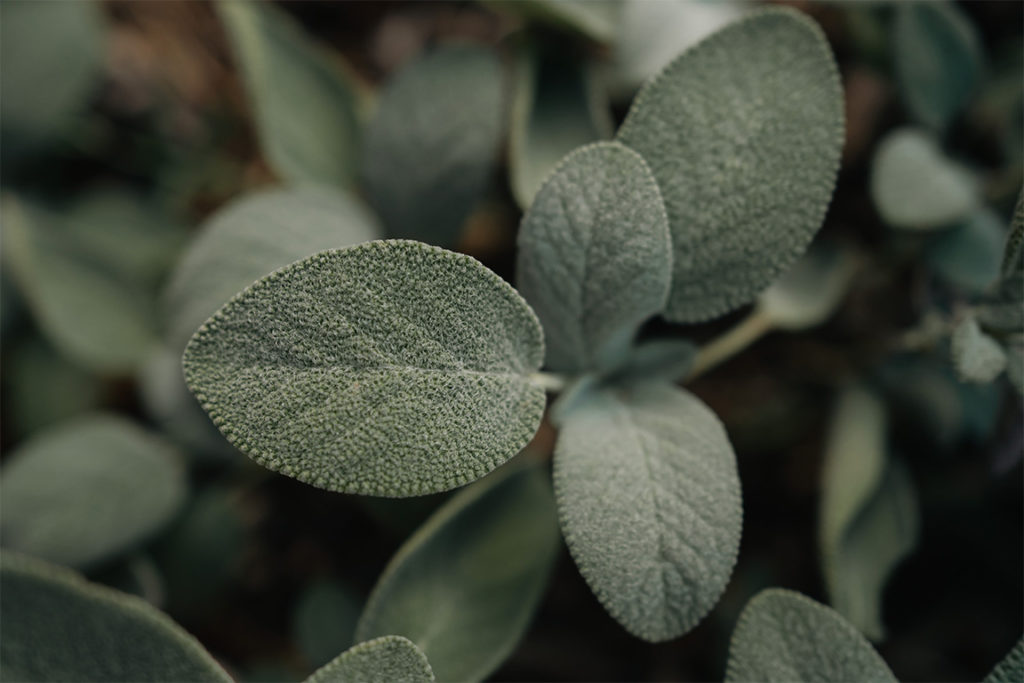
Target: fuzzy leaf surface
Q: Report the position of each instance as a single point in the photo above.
(745, 153)
(465, 586)
(60, 627)
(1011, 668)
(785, 637)
(388, 659)
(390, 368)
(977, 357)
(649, 503)
(306, 110)
(88, 489)
(594, 255)
(431, 148)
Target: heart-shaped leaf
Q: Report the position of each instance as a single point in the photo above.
(594, 255)
(388, 659)
(649, 502)
(390, 368)
(465, 586)
(745, 153)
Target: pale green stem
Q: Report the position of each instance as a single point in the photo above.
(720, 349)
(549, 382)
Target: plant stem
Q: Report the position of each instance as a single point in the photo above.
(745, 333)
(549, 381)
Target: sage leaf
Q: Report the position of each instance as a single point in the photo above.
(60, 627)
(914, 186)
(88, 489)
(388, 659)
(594, 255)
(977, 357)
(465, 586)
(649, 502)
(1003, 310)
(306, 107)
(390, 368)
(425, 173)
(938, 60)
(1011, 668)
(783, 636)
(253, 236)
(809, 292)
(325, 621)
(557, 107)
(968, 255)
(745, 154)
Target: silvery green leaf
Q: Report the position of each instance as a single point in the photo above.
(88, 489)
(430, 151)
(785, 637)
(324, 621)
(977, 357)
(594, 255)
(465, 586)
(914, 185)
(1011, 668)
(649, 502)
(557, 107)
(253, 236)
(938, 60)
(968, 255)
(745, 153)
(811, 290)
(390, 368)
(306, 109)
(594, 19)
(388, 659)
(60, 627)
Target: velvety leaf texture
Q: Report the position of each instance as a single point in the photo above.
(557, 107)
(390, 368)
(743, 133)
(649, 501)
(306, 112)
(88, 489)
(389, 659)
(429, 152)
(465, 586)
(59, 627)
(253, 236)
(785, 637)
(977, 357)
(1011, 668)
(594, 255)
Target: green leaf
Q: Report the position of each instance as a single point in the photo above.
(968, 255)
(746, 155)
(593, 19)
(649, 502)
(389, 368)
(809, 292)
(426, 172)
(1003, 311)
(253, 236)
(557, 107)
(306, 107)
(783, 636)
(977, 357)
(465, 586)
(325, 621)
(388, 659)
(1011, 668)
(938, 60)
(595, 255)
(914, 185)
(60, 627)
(88, 489)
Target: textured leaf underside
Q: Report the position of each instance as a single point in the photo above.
(743, 133)
(390, 368)
(649, 502)
(388, 659)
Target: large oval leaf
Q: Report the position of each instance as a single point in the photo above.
(88, 489)
(430, 150)
(388, 659)
(59, 627)
(305, 110)
(253, 236)
(595, 255)
(465, 586)
(783, 636)
(389, 368)
(649, 502)
(746, 153)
